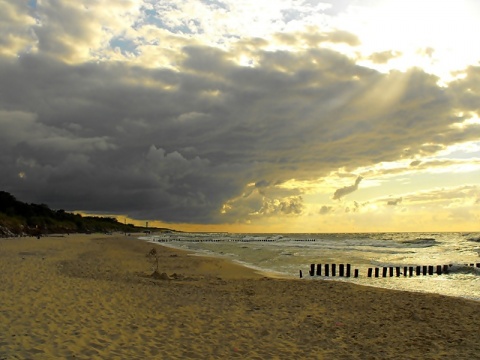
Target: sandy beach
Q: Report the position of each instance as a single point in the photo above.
(91, 297)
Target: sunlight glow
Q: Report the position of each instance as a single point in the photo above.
(437, 35)
(473, 120)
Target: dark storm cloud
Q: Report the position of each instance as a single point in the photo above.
(178, 145)
(467, 90)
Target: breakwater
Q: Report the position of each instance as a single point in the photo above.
(345, 270)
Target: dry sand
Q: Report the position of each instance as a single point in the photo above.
(90, 297)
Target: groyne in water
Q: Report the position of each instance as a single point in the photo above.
(345, 270)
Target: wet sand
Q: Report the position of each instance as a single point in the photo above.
(91, 297)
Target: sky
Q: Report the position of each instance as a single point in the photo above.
(245, 115)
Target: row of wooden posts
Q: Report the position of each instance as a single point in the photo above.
(345, 270)
(164, 240)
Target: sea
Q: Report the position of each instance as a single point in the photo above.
(285, 255)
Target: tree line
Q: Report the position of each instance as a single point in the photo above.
(19, 218)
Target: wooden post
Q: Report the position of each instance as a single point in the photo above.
(405, 270)
(430, 270)
(397, 270)
(445, 269)
(327, 270)
(417, 270)
(341, 270)
(439, 269)
(348, 270)
(391, 271)
(334, 269)
(319, 269)
(301, 275)
(376, 272)
(424, 270)
(312, 269)
(410, 271)
(384, 273)
(369, 272)
(355, 273)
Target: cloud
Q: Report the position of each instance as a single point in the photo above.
(324, 210)
(78, 32)
(339, 193)
(427, 165)
(244, 125)
(180, 128)
(384, 56)
(355, 207)
(467, 89)
(153, 33)
(259, 125)
(447, 195)
(15, 28)
(394, 202)
(313, 36)
(286, 206)
(445, 198)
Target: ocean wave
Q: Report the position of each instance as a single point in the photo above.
(421, 242)
(451, 269)
(464, 269)
(474, 239)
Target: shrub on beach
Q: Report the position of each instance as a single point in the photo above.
(153, 257)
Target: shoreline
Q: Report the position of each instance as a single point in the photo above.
(279, 275)
(261, 272)
(92, 297)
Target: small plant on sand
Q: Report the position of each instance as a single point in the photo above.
(153, 257)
